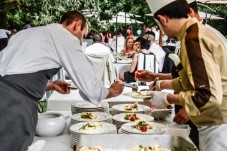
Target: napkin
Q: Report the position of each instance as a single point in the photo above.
(37, 146)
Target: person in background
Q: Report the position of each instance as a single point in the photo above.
(29, 62)
(90, 34)
(98, 47)
(201, 86)
(156, 49)
(143, 48)
(28, 25)
(106, 39)
(4, 37)
(128, 50)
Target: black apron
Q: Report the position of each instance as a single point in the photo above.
(19, 96)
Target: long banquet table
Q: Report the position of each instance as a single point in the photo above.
(62, 104)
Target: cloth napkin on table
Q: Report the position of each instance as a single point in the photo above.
(37, 146)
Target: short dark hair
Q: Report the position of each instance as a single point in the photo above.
(138, 39)
(145, 44)
(150, 33)
(97, 38)
(176, 10)
(71, 16)
(194, 6)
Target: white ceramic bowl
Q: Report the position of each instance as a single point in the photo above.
(50, 124)
(161, 114)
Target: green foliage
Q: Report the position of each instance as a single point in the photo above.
(42, 12)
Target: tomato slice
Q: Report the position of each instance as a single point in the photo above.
(143, 128)
(137, 74)
(132, 118)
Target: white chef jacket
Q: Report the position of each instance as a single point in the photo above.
(49, 47)
(3, 33)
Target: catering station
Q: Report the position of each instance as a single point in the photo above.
(123, 123)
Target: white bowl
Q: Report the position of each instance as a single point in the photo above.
(161, 114)
(50, 124)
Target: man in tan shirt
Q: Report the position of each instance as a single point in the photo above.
(201, 86)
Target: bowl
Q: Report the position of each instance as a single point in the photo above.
(50, 124)
(182, 130)
(161, 114)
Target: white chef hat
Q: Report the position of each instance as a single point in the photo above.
(155, 5)
(190, 1)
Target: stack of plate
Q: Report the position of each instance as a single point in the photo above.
(120, 108)
(156, 129)
(106, 128)
(101, 117)
(85, 107)
(119, 120)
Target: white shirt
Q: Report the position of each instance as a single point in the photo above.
(3, 33)
(159, 53)
(49, 47)
(99, 48)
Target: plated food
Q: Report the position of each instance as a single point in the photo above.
(131, 117)
(142, 126)
(90, 126)
(130, 107)
(149, 148)
(88, 115)
(140, 94)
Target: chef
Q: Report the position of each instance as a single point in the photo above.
(202, 86)
(32, 57)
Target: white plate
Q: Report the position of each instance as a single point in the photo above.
(101, 116)
(135, 94)
(121, 107)
(157, 128)
(106, 128)
(126, 61)
(85, 105)
(142, 117)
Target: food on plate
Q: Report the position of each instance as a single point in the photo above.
(88, 115)
(130, 107)
(95, 148)
(143, 93)
(149, 148)
(165, 108)
(90, 126)
(142, 126)
(131, 117)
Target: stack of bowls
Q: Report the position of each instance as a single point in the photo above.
(106, 128)
(100, 117)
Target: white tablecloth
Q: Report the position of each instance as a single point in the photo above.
(62, 102)
(120, 68)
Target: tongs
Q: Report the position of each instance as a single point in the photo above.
(154, 83)
(133, 86)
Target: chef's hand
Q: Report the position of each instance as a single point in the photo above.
(116, 89)
(181, 117)
(59, 86)
(145, 76)
(159, 99)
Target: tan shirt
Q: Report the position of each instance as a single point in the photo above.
(202, 85)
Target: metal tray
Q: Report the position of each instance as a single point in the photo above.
(124, 142)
